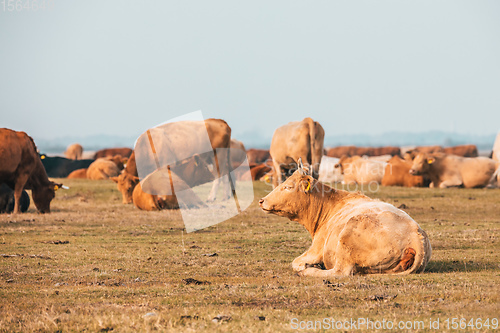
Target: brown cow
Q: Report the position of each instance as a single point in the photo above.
(21, 168)
(362, 151)
(463, 150)
(194, 170)
(351, 233)
(127, 180)
(102, 168)
(256, 172)
(151, 202)
(74, 151)
(257, 156)
(450, 170)
(397, 173)
(78, 174)
(298, 139)
(124, 152)
(178, 141)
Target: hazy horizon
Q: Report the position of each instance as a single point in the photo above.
(86, 68)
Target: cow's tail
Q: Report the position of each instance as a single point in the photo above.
(315, 160)
(416, 256)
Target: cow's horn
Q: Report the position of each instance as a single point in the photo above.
(301, 167)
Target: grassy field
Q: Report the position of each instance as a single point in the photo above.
(97, 265)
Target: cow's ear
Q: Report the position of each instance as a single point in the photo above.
(115, 179)
(431, 160)
(306, 185)
(337, 165)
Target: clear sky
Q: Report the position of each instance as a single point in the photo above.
(119, 67)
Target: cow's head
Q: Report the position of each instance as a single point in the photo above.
(43, 195)
(421, 164)
(126, 184)
(292, 196)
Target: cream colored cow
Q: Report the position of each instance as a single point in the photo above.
(362, 170)
(450, 170)
(351, 233)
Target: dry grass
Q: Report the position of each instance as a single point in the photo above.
(95, 264)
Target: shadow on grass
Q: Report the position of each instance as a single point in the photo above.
(448, 266)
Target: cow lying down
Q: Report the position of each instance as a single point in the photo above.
(351, 233)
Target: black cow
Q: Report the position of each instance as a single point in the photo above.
(60, 167)
(7, 199)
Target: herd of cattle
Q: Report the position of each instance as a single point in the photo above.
(23, 168)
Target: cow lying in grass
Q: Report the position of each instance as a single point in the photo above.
(351, 233)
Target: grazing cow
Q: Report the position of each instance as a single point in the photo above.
(151, 202)
(451, 171)
(463, 150)
(110, 152)
(78, 174)
(351, 233)
(495, 153)
(74, 152)
(361, 170)
(178, 141)
(328, 173)
(7, 200)
(21, 168)
(102, 168)
(298, 139)
(258, 156)
(397, 173)
(60, 167)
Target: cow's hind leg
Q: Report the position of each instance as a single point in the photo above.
(18, 191)
(328, 273)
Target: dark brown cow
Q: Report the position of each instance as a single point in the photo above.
(21, 168)
(124, 152)
(463, 150)
(258, 156)
(256, 172)
(397, 173)
(350, 151)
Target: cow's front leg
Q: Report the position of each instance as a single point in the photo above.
(311, 257)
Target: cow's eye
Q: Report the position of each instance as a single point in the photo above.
(287, 187)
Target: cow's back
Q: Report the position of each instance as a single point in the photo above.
(477, 171)
(17, 155)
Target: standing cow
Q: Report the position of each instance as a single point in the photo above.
(21, 168)
(74, 151)
(299, 139)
